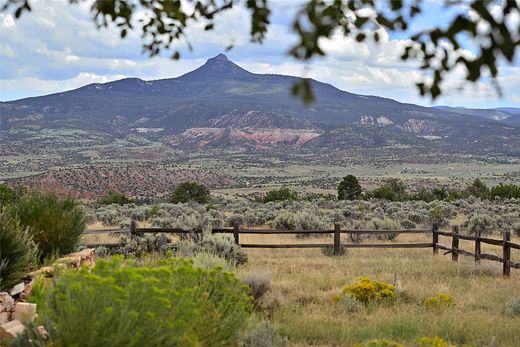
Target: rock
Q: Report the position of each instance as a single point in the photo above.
(6, 302)
(25, 312)
(17, 289)
(11, 329)
(4, 317)
(71, 261)
(48, 271)
(40, 329)
(27, 290)
(87, 257)
(32, 275)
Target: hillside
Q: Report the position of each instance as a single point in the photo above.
(222, 105)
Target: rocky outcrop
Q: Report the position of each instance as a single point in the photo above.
(15, 311)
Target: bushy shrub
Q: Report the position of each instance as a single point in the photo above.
(436, 216)
(169, 304)
(54, 224)
(408, 224)
(516, 229)
(17, 250)
(393, 190)
(384, 224)
(7, 195)
(367, 291)
(209, 261)
(349, 188)
(218, 244)
(263, 333)
(480, 223)
(514, 308)
(38, 290)
(114, 198)
(285, 221)
(190, 191)
(303, 220)
(282, 194)
(349, 303)
(143, 244)
(380, 343)
(329, 251)
(433, 342)
(258, 283)
(439, 301)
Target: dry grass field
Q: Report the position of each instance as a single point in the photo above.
(303, 282)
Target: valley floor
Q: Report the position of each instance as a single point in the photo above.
(303, 283)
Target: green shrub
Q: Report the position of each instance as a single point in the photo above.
(7, 195)
(516, 229)
(282, 194)
(114, 198)
(439, 301)
(259, 284)
(513, 309)
(218, 244)
(349, 303)
(478, 189)
(437, 216)
(190, 191)
(384, 224)
(367, 291)
(209, 261)
(168, 304)
(329, 251)
(393, 190)
(480, 223)
(54, 224)
(303, 220)
(141, 245)
(264, 334)
(433, 342)
(38, 290)
(408, 224)
(17, 250)
(349, 188)
(380, 343)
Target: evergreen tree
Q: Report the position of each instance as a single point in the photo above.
(349, 188)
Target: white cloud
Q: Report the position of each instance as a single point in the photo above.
(6, 21)
(57, 47)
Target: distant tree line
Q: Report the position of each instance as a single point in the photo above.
(395, 190)
(182, 193)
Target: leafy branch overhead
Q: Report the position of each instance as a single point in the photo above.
(476, 40)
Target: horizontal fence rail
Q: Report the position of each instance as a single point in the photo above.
(337, 245)
(505, 244)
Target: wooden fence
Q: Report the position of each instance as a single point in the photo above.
(337, 245)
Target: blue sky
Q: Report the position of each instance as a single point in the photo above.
(57, 47)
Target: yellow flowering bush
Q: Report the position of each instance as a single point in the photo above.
(366, 290)
(434, 342)
(439, 301)
(380, 343)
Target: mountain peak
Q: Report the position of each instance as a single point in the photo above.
(218, 68)
(218, 58)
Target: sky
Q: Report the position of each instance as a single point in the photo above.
(57, 47)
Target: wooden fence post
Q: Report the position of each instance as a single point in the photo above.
(506, 254)
(477, 247)
(337, 241)
(455, 243)
(435, 238)
(132, 229)
(236, 232)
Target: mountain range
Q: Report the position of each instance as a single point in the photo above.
(221, 105)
